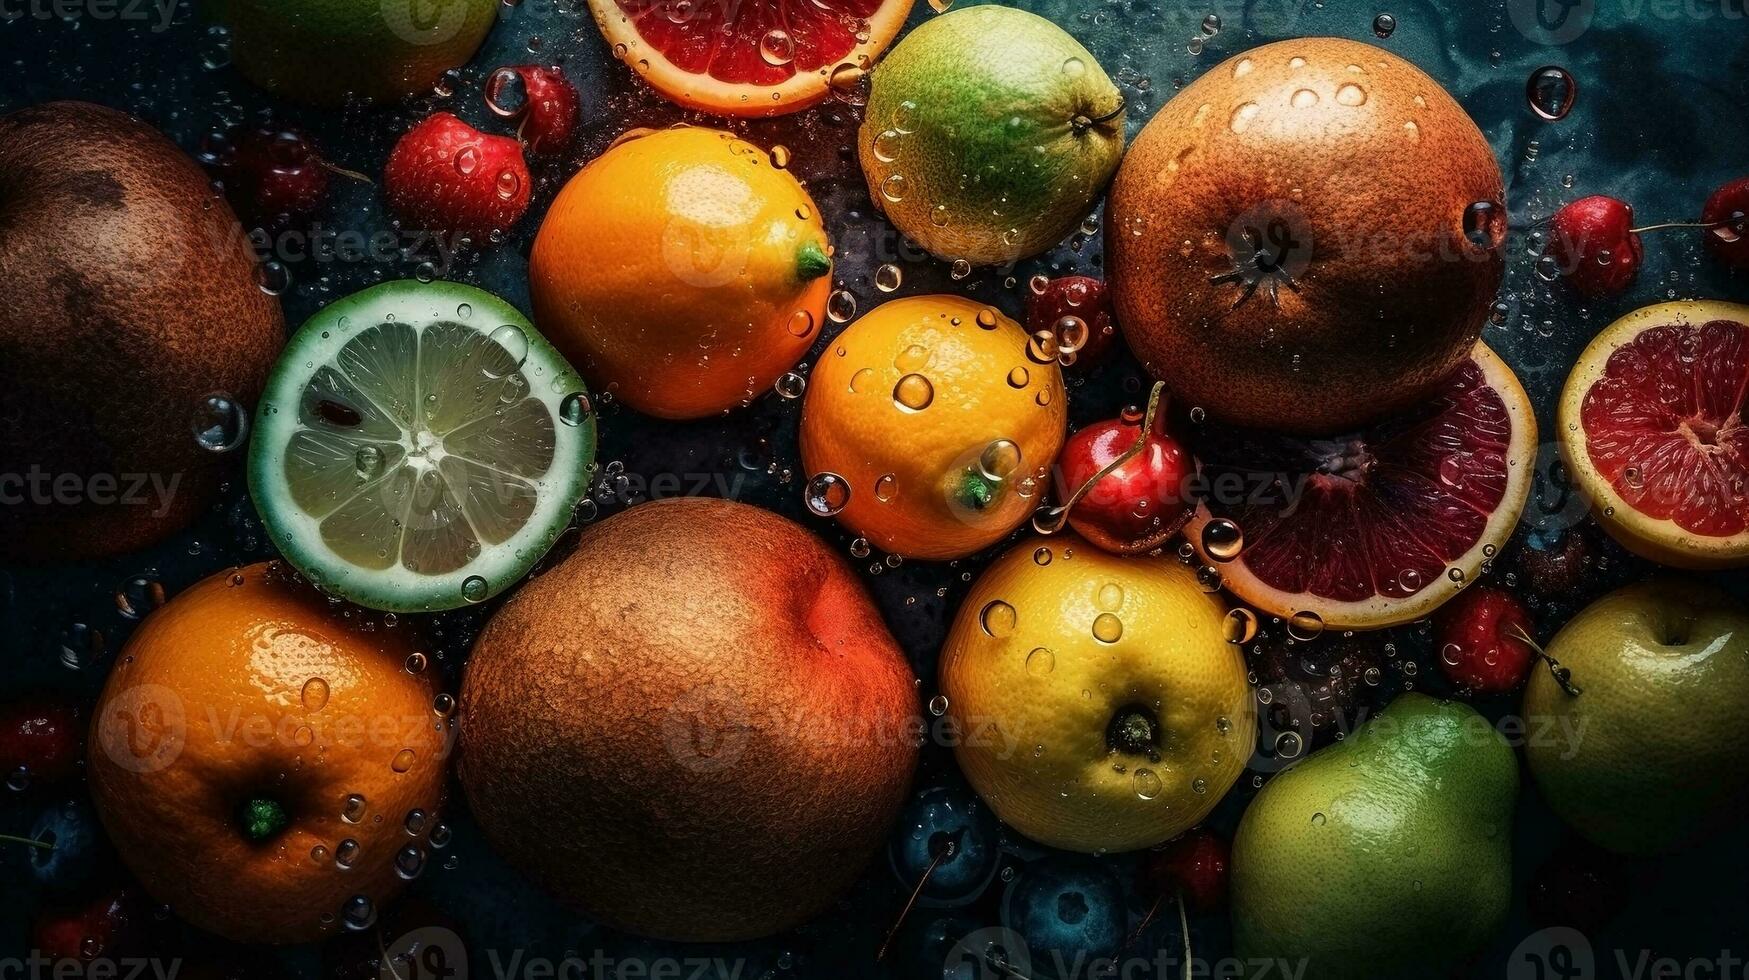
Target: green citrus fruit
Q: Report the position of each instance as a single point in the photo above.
(989, 133)
(1386, 854)
(1646, 756)
(419, 446)
(323, 51)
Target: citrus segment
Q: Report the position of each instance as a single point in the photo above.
(1652, 425)
(1382, 526)
(420, 446)
(758, 58)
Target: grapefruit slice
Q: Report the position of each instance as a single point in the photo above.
(1379, 527)
(419, 447)
(753, 57)
(1652, 428)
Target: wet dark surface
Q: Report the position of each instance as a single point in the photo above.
(1658, 120)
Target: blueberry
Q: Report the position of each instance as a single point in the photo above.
(71, 860)
(1070, 909)
(952, 829)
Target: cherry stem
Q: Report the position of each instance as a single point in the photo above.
(10, 839)
(1056, 517)
(1562, 675)
(910, 902)
(1184, 927)
(1677, 224)
(1142, 926)
(335, 168)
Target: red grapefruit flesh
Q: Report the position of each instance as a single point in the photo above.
(1379, 527)
(753, 57)
(1653, 429)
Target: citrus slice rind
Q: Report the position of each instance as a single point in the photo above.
(1652, 429)
(757, 58)
(1379, 528)
(419, 446)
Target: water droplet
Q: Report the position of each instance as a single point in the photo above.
(1551, 91)
(888, 277)
(1242, 116)
(574, 408)
(999, 460)
(826, 494)
(913, 393)
(359, 913)
(893, 188)
(1107, 628)
(353, 808)
(409, 862)
(790, 385)
(1384, 25)
(1485, 224)
(474, 588)
(998, 618)
(1350, 94)
(346, 854)
(403, 761)
(220, 423)
(841, 306)
(1222, 539)
(514, 343)
(777, 48)
(1239, 626)
(1305, 625)
(315, 694)
(1040, 662)
(1147, 784)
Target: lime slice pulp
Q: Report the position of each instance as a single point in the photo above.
(419, 447)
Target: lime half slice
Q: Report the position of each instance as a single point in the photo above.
(419, 447)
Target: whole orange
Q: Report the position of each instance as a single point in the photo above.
(682, 271)
(930, 426)
(266, 763)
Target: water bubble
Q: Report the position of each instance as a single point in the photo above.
(1384, 25)
(826, 494)
(1222, 539)
(777, 48)
(514, 342)
(359, 913)
(314, 694)
(1147, 784)
(346, 854)
(474, 588)
(999, 460)
(849, 84)
(938, 705)
(1305, 625)
(1040, 661)
(410, 862)
(998, 618)
(913, 393)
(1484, 224)
(888, 277)
(574, 408)
(1551, 91)
(801, 323)
(138, 596)
(353, 808)
(220, 423)
(841, 306)
(403, 761)
(1239, 626)
(1107, 628)
(790, 385)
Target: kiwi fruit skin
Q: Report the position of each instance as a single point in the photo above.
(132, 296)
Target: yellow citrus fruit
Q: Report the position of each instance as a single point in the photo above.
(1653, 429)
(930, 426)
(682, 271)
(1099, 705)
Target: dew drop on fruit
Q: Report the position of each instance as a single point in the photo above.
(508, 184)
(414, 825)
(353, 808)
(1040, 662)
(220, 423)
(997, 618)
(849, 84)
(1018, 377)
(1107, 628)
(1110, 597)
(1384, 25)
(1456, 574)
(913, 393)
(1041, 556)
(505, 95)
(777, 48)
(359, 913)
(1239, 626)
(999, 460)
(315, 694)
(1147, 784)
(1551, 91)
(346, 853)
(467, 160)
(1222, 539)
(1351, 94)
(474, 588)
(1305, 625)
(826, 494)
(893, 188)
(511, 339)
(410, 862)
(574, 408)
(886, 488)
(403, 761)
(1208, 578)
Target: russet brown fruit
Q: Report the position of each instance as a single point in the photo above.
(695, 727)
(131, 296)
(1307, 237)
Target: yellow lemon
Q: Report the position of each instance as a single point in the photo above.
(930, 426)
(683, 271)
(1099, 706)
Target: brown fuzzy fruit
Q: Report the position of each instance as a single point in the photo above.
(696, 727)
(1307, 237)
(131, 297)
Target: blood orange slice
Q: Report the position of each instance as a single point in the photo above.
(1652, 427)
(1376, 528)
(749, 57)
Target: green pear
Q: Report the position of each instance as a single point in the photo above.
(1386, 854)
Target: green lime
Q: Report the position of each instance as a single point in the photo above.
(1387, 854)
(322, 51)
(1640, 751)
(989, 133)
(419, 446)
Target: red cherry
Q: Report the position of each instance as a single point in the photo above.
(270, 172)
(1193, 865)
(1727, 211)
(1555, 563)
(548, 109)
(1478, 634)
(445, 175)
(1081, 297)
(1595, 245)
(1137, 506)
(109, 925)
(41, 742)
